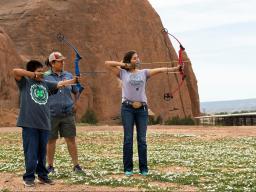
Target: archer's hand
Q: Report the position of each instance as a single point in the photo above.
(127, 66)
(77, 79)
(38, 76)
(181, 68)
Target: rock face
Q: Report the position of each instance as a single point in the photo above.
(101, 30)
(9, 58)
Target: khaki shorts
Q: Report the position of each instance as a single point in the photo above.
(63, 126)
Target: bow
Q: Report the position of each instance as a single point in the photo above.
(63, 39)
(181, 63)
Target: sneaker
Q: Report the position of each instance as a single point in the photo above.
(45, 181)
(50, 169)
(128, 173)
(144, 173)
(78, 169)
(29, 183)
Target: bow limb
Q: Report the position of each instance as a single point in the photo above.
(62, 38)
(76, 51)
(181, 63)
(164, 30)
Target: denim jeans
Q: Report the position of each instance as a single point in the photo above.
(34, 146)
(139, 117)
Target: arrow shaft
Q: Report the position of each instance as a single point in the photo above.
(163, 62)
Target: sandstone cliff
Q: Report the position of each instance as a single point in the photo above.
(8, 90)
(101, 30)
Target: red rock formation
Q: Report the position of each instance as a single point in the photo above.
(8, 90)
(101, 30)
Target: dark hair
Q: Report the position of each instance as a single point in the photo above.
(47, 63)
(128, 56)
(33, 65)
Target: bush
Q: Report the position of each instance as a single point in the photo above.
(155, 121)
(243, 111)
(180, 121)
(89, 117)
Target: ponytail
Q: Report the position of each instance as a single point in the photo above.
(47, 63)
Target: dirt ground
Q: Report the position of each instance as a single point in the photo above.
(14, 183)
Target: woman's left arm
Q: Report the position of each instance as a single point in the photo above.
(162, 70)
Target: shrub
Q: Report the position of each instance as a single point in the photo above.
(89, 117)
(180, 121)
(154, 121)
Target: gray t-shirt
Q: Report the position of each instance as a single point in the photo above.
(134, 84)
(34, 107)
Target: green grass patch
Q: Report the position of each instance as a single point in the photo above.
(213, 165)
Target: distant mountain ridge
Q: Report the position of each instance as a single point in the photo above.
(228, 106)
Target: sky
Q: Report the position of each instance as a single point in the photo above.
(220, 40)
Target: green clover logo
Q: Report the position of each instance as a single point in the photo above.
(39, 94)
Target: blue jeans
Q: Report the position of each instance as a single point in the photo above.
(139, 117)
(34, 146)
